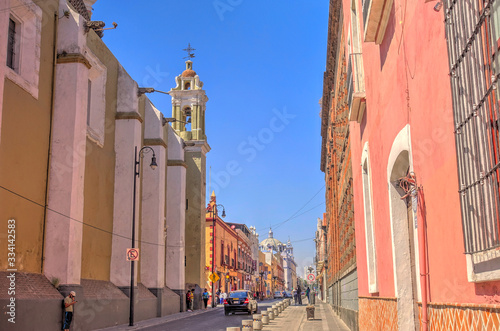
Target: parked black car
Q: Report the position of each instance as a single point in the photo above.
(241, 300)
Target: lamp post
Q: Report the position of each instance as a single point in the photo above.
(214, 216)
(273, 288)
(261, 283)
(153, 165)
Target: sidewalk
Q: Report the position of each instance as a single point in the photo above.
(294, 318)
(160, 320)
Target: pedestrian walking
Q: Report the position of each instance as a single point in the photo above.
(299, 295)
(295, 298)
(308, 291)
(69, 302)
(223, 297)
(217, 297)
(188, 300)
(206, 296)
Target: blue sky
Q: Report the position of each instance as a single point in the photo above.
(262, 65)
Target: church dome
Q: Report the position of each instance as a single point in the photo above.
(188, 73)
(271, 243)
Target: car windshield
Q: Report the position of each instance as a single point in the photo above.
(238, 295)
(277, 292)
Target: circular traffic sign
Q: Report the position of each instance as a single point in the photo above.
(311, 277)
(132, 254)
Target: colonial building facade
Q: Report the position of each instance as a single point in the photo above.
(229, 248)
(337, 265)
(422, 105)
(94, 158)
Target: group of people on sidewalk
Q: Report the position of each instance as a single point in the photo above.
(297, 296)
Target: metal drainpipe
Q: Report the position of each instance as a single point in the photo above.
(52, 97)
(423, 267)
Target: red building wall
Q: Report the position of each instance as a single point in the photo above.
(407, 83)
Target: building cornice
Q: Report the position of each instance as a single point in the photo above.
(176, 163)
(155, 142)
(197, 146)
(129, 116)
(73, 58)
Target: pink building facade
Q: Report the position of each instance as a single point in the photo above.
(423, 95)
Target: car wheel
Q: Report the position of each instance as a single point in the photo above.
(226, 312)
(256, 309)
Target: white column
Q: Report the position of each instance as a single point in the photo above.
(176, 212)
(63, 233)
(153, 202)
(127, 136)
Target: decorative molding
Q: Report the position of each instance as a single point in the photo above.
(73, 58)
(176, 163)
(155, 142)
(129, 116)
(197, 146)
(462, 316)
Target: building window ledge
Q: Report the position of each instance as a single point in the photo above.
(376, 19)
(483, 266)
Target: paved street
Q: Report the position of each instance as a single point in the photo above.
(212, 320)
(292, 319)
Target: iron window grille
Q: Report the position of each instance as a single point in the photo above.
(11, 45)
(349, 83)
(474, 72)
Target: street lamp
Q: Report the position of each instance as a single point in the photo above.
(153, 165)
(273, 288)
(261, 283)
(214, 215)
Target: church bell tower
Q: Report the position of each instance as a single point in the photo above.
(188, 109)
(188, 105)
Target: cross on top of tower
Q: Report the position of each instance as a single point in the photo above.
(189, 50)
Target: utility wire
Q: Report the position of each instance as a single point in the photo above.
(280, 224)
(142, 241)
(73, 219)
(294, 215)
(297, 241)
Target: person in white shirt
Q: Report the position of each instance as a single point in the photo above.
(223, 296)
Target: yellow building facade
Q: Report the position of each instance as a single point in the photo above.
(71, 134)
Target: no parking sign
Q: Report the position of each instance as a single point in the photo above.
(132, 254)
